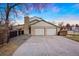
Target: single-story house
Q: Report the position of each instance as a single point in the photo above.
(39, 26)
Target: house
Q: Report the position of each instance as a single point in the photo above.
(18, 27)
(74, 30)
(38, 26)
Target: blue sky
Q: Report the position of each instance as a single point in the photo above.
(58, 12)
(55, 11)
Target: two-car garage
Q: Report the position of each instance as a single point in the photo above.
(45, 32)
(43, 28)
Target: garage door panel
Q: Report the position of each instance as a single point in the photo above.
(50, 31)
(39, 31)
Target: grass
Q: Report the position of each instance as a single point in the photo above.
(8, 49)
(73, 37)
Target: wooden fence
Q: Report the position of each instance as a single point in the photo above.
(2, 36)
(12, 33)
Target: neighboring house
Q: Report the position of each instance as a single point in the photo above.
(74, 30)
(39, 26)
(18, 27)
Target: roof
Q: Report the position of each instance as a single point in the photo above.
(43, 21)
(35, 20)
(35, 17)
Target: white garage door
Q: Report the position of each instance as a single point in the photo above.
(50, 31)
(39, 31)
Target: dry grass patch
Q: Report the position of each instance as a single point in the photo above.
(73, 37)
(8, 49)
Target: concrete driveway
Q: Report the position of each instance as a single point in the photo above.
(48, 46)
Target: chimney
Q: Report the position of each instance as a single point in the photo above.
(26, 25)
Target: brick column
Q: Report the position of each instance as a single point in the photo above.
(26, 25)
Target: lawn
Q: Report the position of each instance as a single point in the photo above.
(8, 49)
(73, 37)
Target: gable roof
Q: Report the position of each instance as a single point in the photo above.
(34, 21)
(46, 22)
(35, 17)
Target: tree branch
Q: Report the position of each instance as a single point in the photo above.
(14, 5)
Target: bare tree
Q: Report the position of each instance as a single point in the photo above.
(60, 24)
(10, 9)
(5, 16)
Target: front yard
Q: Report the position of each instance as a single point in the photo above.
(8, 49)
(73, 37)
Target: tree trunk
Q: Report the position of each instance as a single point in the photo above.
(7, 23)
(8, 9)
